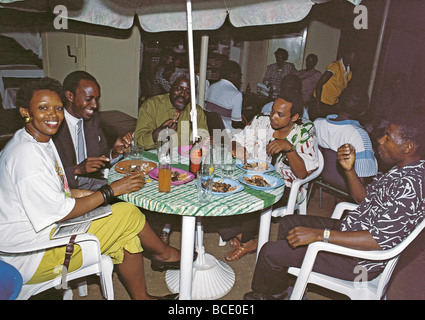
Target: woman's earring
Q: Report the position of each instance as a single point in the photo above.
(28, 119)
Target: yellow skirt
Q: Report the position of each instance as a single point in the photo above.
(116, 233)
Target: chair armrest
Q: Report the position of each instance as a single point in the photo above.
(296, 185)
(311, 254)
(341, 207)
(375, 255)
(48, 244)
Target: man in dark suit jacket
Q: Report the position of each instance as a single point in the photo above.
(82, 92)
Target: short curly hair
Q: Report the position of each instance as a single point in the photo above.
(290, 90)
(412, 128)
(26, 92)
(72, 80)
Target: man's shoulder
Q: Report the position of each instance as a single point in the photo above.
(261, 120)
(414, 170)
(154, 103)
(305, 123)
(160, 98)
(418, 167)
(333, 66)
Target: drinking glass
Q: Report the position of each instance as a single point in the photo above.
(205, 178)
(164, 167)
(164, 177)
(226, 161)
(164, 151)
(136, 152)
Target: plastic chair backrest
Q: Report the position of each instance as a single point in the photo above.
(332, 172)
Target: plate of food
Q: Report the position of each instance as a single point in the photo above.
(261, 181)
(178, 176)
(255, 166)
(225, 187)
(134, 166)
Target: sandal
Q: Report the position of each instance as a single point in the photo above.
(240, 251)
(234, 242)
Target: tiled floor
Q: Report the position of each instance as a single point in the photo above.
(407, 282)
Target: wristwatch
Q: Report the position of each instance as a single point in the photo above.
(326, 235)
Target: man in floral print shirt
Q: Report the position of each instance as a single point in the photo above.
(284, 140)
(390, 209)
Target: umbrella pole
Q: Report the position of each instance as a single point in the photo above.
(203, 70)
(193, 113)
(379, 48)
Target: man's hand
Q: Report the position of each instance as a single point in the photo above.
(122, 145)
(277, 146)
(170, 123)
(91, 164)
(346, 156)
(239, 152)
(301, 236)
(360, 240)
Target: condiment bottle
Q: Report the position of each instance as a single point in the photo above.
(195, 157)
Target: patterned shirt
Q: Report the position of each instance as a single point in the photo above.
(394, 205)
(274, 74)
(259, 133)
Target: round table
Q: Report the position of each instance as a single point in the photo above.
(183, 201)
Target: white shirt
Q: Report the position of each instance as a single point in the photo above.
(224, 94)
(332, 134)
(72, 125)
(32, 196)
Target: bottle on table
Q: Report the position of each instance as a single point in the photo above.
(195, 158)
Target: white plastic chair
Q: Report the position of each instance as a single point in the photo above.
(93, 263)
(355, 290)
(293, 204)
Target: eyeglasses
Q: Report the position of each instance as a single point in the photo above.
(181, 89)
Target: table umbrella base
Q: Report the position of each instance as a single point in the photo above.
(212, 279)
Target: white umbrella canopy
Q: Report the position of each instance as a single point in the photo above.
(171, 15)
(175, 15)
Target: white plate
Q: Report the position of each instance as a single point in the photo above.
(232, 183)
(272, 181)
(239, 164)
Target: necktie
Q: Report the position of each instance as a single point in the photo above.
(80, 142)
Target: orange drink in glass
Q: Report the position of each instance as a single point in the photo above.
(164, 178)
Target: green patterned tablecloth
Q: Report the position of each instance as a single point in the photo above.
(182, 200)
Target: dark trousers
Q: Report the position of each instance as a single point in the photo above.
(271, 276)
